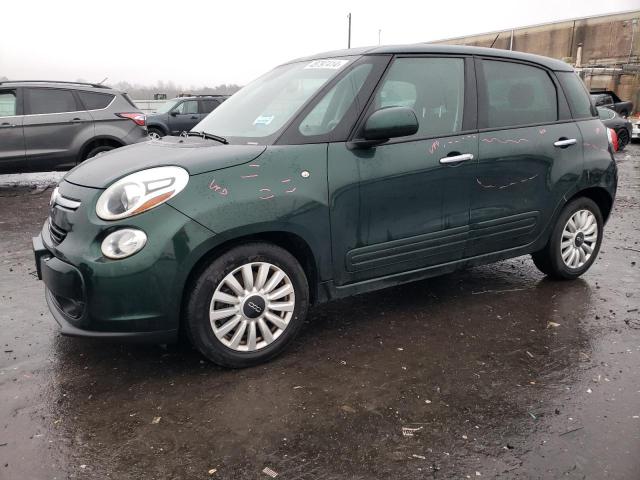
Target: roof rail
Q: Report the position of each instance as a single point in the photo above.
(95, 85)
(181, 95)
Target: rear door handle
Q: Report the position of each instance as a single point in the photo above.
(457, 158)
(7, 125)
(564, 142)
(194, 118)
(77, 120)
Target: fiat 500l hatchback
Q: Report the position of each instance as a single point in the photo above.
(329, 176)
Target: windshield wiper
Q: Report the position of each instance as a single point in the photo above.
(208, 136)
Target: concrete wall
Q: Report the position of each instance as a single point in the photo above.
(607, 41)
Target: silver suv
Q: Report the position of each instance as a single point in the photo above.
(48, 125)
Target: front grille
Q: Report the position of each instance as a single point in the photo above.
(58, 234)
(60, 207)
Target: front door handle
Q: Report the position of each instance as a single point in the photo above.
(7, 125)
(78, 120)
(194, 118)
(564, 142)
(457, 158)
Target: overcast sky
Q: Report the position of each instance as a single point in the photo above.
(195, 43)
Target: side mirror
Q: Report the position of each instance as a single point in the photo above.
(387, 123)
(174, 113)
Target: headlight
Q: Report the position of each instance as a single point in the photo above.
(141, 191)
(123, 243)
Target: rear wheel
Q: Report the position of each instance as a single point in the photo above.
(574, 242)
(623, 138)
(248, 305)
(97, 150)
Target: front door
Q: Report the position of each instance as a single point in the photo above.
(404, 205)
(12, 157)
(184, 117)
(55, 125)
(527, 156)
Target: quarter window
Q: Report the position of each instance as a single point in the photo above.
(577, 95)
(518, 95)
(94, 100)
(7, 103)
(432, 87)
(49, 100)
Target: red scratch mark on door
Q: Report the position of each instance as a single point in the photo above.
(218, 188)
(542, 131)
(494, 139)
(249, 176)
(434, 146)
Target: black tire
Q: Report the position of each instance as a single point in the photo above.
(155, 132)
(549, 260)
(197, 322)
(97, 150)
(623, 138)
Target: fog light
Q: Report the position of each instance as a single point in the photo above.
(123, 243)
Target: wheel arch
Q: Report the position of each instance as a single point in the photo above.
(289, 241)
(98, 141)
(158, 126)
(600, 196)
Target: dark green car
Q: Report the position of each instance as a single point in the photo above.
(329, 176)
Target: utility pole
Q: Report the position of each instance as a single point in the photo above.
(379, 32)
(349, 37)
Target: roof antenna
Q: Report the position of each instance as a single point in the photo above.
(103, 80)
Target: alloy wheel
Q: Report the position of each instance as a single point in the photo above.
(252, 306)
(579, 238)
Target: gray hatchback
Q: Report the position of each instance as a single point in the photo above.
(47, 125)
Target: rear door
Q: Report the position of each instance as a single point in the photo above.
(54, 127)
(529, 151)
(12, 158)
(184, 117)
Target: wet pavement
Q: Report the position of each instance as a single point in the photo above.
(494, 372)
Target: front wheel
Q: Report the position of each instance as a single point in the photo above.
(248, 305)
(574, 243)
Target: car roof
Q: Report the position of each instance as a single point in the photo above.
(426, 48)
(94, 87)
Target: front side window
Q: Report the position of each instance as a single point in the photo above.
(577, 95)
(329, 111)
(432, 87)
(8, 103)
(49, 100)
(518, 94)
(259, 111)
(189, 106)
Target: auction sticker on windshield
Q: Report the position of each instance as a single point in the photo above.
(329, 64)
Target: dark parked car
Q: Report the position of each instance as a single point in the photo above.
(608, 99)
(329, 176)
(622, 126)
(46, 125)
(182, 114)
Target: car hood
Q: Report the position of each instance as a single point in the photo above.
(192, 153)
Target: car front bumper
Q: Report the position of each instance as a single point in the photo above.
(635, 130)
(136, 298)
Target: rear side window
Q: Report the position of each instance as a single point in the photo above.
(518, 95)
(577, 95)
(432, 87)
(208, 105)
(7, 103)
(94, 100)
(49, 100)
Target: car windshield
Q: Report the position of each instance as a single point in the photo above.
(258, 112)
(166, 106)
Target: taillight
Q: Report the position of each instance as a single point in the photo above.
(139, 118)
(613, 138)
